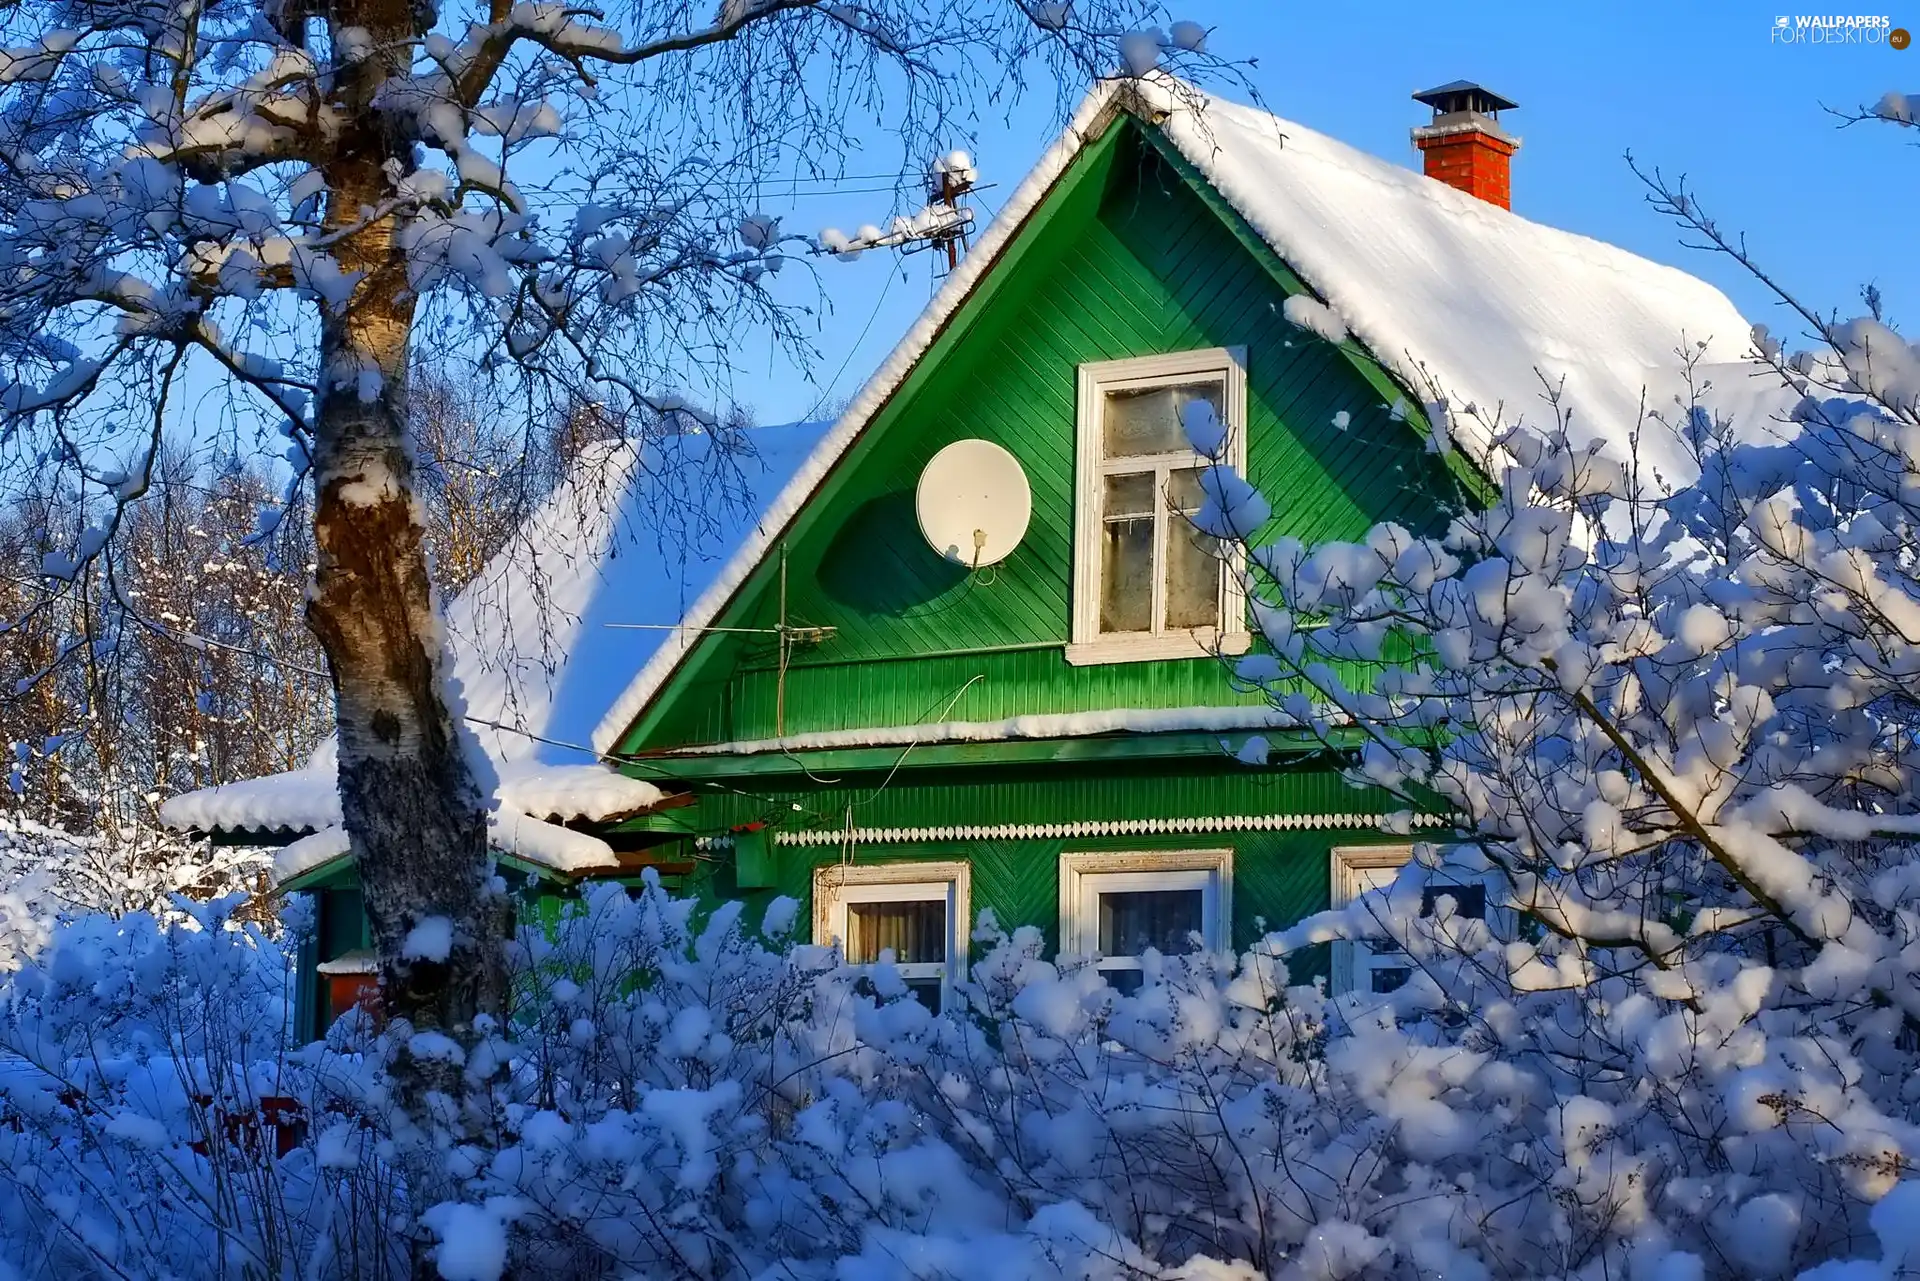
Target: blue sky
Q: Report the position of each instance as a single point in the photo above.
(1688, 86)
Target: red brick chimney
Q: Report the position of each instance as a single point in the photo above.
(1465, 147)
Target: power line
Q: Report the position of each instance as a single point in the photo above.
(854, 349)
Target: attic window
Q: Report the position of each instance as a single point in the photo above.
(1147, 584)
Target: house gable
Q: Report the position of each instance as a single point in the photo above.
(1129, 255)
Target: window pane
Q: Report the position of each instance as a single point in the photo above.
(1183, 489)
(1130, 495)
(1468, 900)
(1193, 576)
(1126, 982)
(1391, 980)
(1146, 420)
(1126, 556)
(1134, 920)
(916, 931)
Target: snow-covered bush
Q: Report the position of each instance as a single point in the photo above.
(684, 1097)
(46, 873)
(1670, 727)
(142, 1066)
(692, 1102)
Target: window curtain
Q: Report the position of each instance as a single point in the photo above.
(916, 931)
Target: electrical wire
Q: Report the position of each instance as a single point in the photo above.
(937, 719)
(855, 348)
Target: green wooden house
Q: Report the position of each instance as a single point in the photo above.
(811, 690)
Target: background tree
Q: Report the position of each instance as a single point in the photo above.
(177, 661)
(482, 467)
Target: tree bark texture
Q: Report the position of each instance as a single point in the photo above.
(414, 812)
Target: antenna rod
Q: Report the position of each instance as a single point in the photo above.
(780, 683)
(683, 627)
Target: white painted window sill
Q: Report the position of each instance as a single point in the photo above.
(1144, 649)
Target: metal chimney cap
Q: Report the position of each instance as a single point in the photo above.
(1463, 95)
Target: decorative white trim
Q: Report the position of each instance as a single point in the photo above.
(951, 881)
(1073, 830)
(1229, 365)
(1084, 876)
(1202, 642)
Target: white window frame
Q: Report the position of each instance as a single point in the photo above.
(1084, 877)
(1352, 869)
(838, 884)
(1091, 468)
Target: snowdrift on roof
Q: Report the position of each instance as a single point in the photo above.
(1458, 296)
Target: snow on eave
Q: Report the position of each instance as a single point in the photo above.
(1089, 121)
(305, 799)
(531, 840)
(549, 845)
(1053, 725)
(308, 799)
(310, 854)
(358, 961)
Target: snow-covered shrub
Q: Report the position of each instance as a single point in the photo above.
(142, 1068)
(1671, 728)
(684, 1097)
(47, 873)
(691, 1101)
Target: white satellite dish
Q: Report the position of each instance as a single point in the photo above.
(974, 503)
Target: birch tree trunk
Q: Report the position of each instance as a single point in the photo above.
(414, 811)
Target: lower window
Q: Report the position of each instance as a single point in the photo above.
(1378, 965)
(1115, 907)
(914, 914)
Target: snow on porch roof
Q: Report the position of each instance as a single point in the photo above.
(1459, 299)
(632, 536)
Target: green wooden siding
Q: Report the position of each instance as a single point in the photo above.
(1279, 876)
(983, 794)
(1123, 260)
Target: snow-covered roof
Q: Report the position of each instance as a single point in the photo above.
(544, 639)
(1461, 300)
